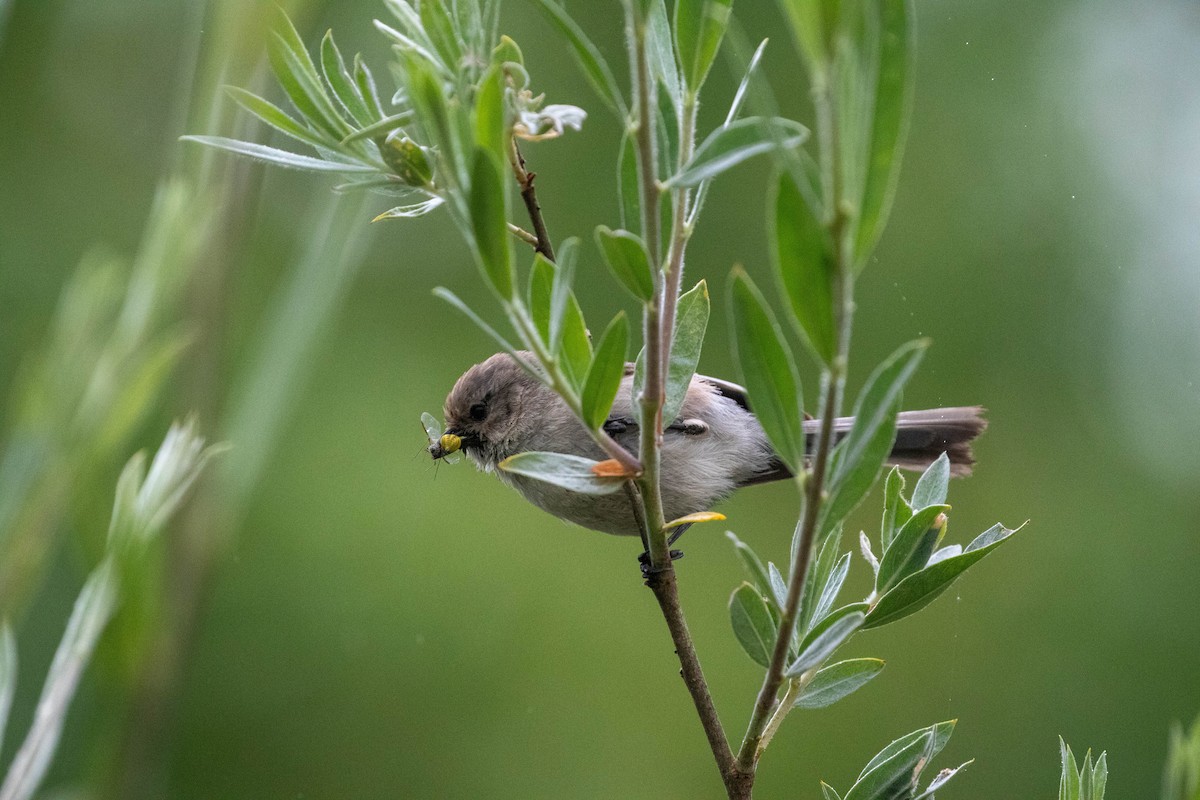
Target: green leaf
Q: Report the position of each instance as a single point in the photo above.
(333, 67)
(691, 322)
(933, 485)
(768, 371)
(827, 636)
(271, 155)
(808, 30)
(752, 624)
(626, 256)
(381, 127)
(911, 549)
(819, 570)
(922, 588)
(739, 97)
(560, 469)
(943, 777)
(894, 778)
(588, 56)
(8, 675)
(753, 565)
(541, 288)
(274, 116)
(436, 22)
(604, 376)
(1100, 777)
(803, 256)
(896, 510)
(489, 222)
(411, 210)
(576, 344)
(560, 297)
(893, 109)
(730, 145)
(365, 82)
(1068, 788)
(941, 732)
(860, 457)
(779, 586)
(660, 51)
(836, 681)
(832, 586)
(428, 98)
(491, 123)
(627, 183)
(829, 792)
(699, 28)
(297, 74)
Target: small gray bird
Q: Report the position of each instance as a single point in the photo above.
(716, 445)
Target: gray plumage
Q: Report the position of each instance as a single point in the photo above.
(715, 446)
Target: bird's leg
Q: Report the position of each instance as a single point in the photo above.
(644, 558)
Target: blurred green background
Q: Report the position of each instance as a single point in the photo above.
(364, 624)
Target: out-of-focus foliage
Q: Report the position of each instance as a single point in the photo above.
(1042, 236)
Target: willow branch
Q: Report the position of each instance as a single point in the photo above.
(541, 238)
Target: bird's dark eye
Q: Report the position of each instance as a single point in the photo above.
(478, 412)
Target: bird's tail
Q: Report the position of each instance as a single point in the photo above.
(921, 436)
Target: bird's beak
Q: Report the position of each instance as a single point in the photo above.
(449, 443)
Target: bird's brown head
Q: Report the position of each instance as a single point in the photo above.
(485, 412)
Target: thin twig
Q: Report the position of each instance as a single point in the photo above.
(524, 235)
(541, 238)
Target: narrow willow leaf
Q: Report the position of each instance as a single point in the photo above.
(896, 510)
(576, 344)
(832, 587)
(889, 129)
(365, 82)
(730, 145)
(588, 56)
(768, 371)
(803, 257)
(752, 624)
(627, 184)
(778, 584)
(808, 30)
(943, 777)
(489, 222)
(691, 322)
(661, 51)
(297, 74)
(381, 127)
(569, 472)
(941, 731)
(626, 256)
(893, 777)
(922, 588)
(933, 485)
(699, 27)
(1099, 777)
(541, 288)
(836, 681)
(271, 155)
(429, 101)
(604, 375)
(911, 549)
(274, 116)
(862, 454)
(753, 565)
(827, 636)
(819, 570)
(8, 675)
(829, 792)
(337, 77)
(436, 22)
(560, 297)
(1068, 788)
(739, 97)
(491, 124)
(411, 210)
